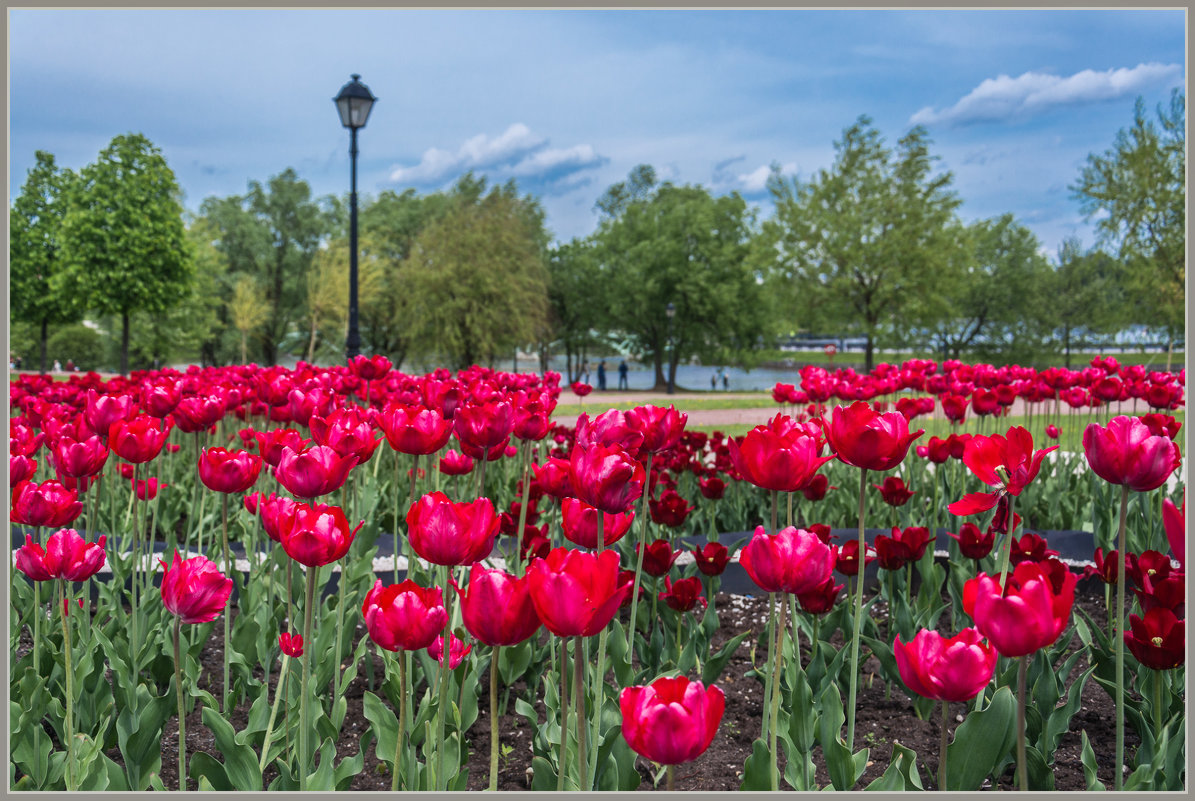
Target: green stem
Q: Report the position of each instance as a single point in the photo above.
(775, 713)
(767, 690)
(135, 641)
(601, 658)
(227, 572)
(942, 746)
(182, 709)
(562, 762)
(402, 718)
(304, 765)
(441, 712)
(71, 783)
(493, 719)
(671, 773)
(639, 559)
(38, 611)
(579, 710)
(397, 476)
(526, 447)
(1006, 550)
(1022, 766)
(1121, 577)
(278, 693)
(1159, 705)
(858, 618)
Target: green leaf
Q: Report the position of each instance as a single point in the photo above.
(322, 777)
(1059, 721)
(1041, 777)
(1090, 772)
(902, 773)
(138, 730)
(513, 660)
(981, 742)
(203, 768)
(383, 723)
(757, 771)
(713, 667)
(240, 762)
(844, 767)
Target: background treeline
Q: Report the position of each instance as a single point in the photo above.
(109, 271)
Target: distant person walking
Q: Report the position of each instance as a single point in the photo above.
(57, 366)
(622, 375)
(601, 371)
(725, 380)
(584, 374)
(714, 380)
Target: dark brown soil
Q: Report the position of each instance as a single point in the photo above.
(885, 715)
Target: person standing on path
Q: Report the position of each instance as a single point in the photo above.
(622, 375)
(601, 371)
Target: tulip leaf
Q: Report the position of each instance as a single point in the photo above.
(383, 723)
(1059, 721)
(31, 748)
(844, 767)
(240, 762)
(713, 667)
(1090, 767)
(757, 771)
(902, 773)
(139, 729)
(887, 658)
(513, 660)
(321, 778)
(203, 768)
(802, 720)
(1041, 777)
(981, 742)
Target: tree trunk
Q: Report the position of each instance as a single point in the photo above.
(1066, 347)
(244, 341)
(45, 338)
(661, 380)
(869, 354)
(124, 343)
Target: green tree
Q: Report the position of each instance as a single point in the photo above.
(576, 298)
(1087, 296)
(1136, 191)
(995, 290)
(475, 277)
(680, 245)
(272, 233)
(35, 223)
(865, 239)
(123, 243)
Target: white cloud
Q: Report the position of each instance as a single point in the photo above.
(757, 180)
(1033, 92)
(517, 151)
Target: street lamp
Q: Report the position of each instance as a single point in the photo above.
(670, 312)
(354, 103)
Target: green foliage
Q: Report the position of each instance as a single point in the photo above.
(1087, 296)
(863, 243)
(78, 343)
(34, 253)
(123, 245)
(680, 245)
(1136, 192)
(475, 278)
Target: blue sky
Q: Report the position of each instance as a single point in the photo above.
(567, 102)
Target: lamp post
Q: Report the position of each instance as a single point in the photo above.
(670, 312)
(354, 103)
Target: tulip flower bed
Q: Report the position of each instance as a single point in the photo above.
(491, 600)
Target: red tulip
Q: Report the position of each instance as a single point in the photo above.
(863, 438)
(683, 594)
(457, 650)
(1174, 520)
(1107, 567)
(713, 487)
(447, 533)
(138, 440)
(1008, 463)
(497, 607)
(194, 589)
(277, 513)
(606, 477)
(1162, 425)
(904, 546)
(1167, 593)
(1029, 548)
(22, 439)
(484, 425)
(46, 504)
(972, 543)
(1052, 431)
(222, 470)
(945, 668)
(404, 617)
(454, 463)
(270, 444)
(817, 487)
(894, 491)
(1126, 452)
(778, 456)
(197, 413)
(579, 521)
(581, 390)
(369, 368)
(792, 560)
(661, 428)
(488, 454)
(672, 720)
(554, 478)
(670, 510)
(159, 400)
(301, 406)
(846, 558)
(147, 489)
(575, 593)
(1153, 564)
(317, 535)
(658, 558)
(1158, 639)
(712, 559)
(291, 644)
(954, 407)
(1030, 614)
(313, 472)
(66, 556)
(79, 459)
(20, 468)
(347, 431)
(820, 599)
(101, 411)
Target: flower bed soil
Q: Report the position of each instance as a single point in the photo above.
(885, 715)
